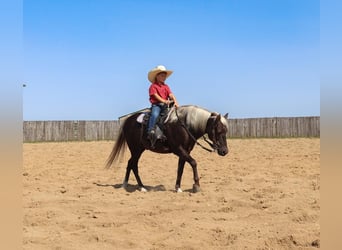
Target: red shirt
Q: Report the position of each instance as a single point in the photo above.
(162, 90)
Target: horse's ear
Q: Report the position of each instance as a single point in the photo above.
(226, 116)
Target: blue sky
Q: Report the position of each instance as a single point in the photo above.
(88, 60)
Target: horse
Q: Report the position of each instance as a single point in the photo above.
(183, 126)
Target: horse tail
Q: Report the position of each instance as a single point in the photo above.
(118, 149)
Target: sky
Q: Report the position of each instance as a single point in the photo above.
(88, 59)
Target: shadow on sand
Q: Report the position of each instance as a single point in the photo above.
(132, 188)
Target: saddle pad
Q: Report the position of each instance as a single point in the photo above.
(140, 118)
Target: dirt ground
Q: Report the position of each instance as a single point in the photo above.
(265, 194)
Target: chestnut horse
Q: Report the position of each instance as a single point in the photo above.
(182, 127)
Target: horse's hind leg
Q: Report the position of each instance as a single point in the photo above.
(137, 177)
(128, 172)
(133, 165)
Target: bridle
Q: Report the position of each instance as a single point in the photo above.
(211, 144)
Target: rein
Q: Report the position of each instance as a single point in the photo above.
(193, 138)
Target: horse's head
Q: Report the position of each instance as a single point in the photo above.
(217, 128)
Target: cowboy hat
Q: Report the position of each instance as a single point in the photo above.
(155, 71)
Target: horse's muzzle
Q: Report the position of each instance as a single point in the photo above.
(222, 151)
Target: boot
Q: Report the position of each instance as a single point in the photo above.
(151, 135)
(159, 134)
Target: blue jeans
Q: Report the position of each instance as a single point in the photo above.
(155, 112)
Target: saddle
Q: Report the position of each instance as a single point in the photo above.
(144, 118)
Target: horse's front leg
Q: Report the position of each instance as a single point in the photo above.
(196, 187)
(179, 175)
(184, 156)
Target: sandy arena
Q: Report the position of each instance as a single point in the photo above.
(265, 194)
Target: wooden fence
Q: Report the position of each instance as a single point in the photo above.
(40, 131)
(36, 131)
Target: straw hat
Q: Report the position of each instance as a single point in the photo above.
(155, 71)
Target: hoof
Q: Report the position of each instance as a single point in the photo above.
(142, 189)
(179, 190)
(125, 184)
(196, 188)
